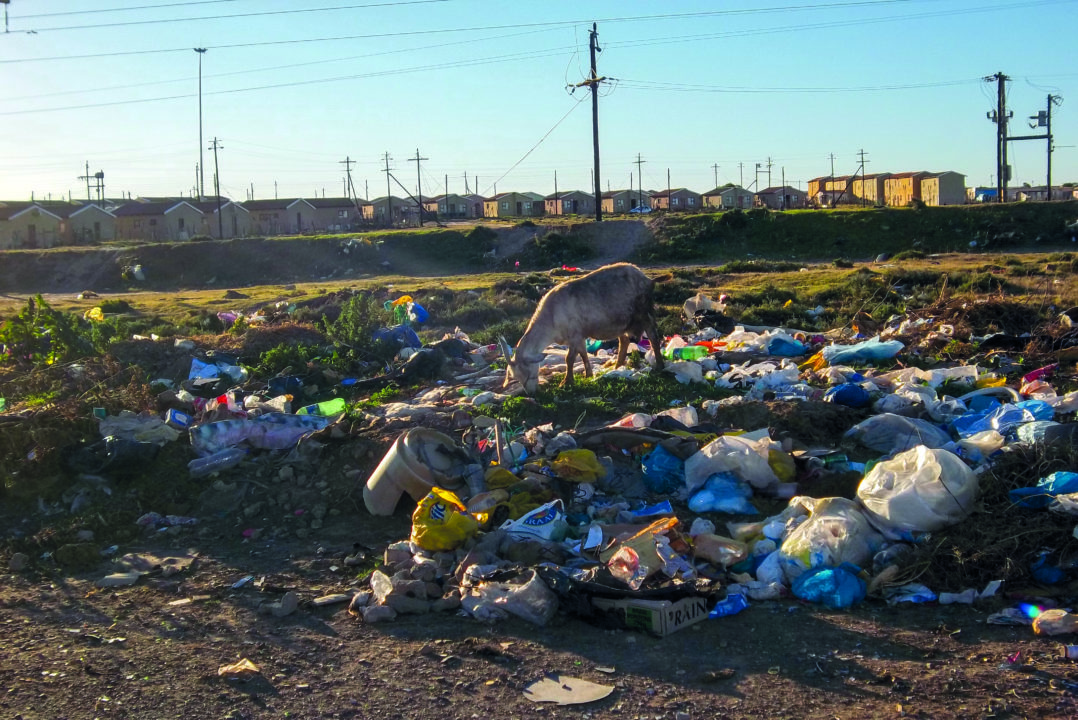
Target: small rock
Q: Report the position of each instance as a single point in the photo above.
(405, 605)
(319, 511)
(482, 421)
(433, 589)
(378, 613)
(84, 535)
(303, 533)
(682, 716)
(397, 553)
(447, 603)
(286, 474)
(316, 524)
(18, 562)
(355, 560)
(118, 580)
(460, 419)
(359, 601)
(253, 509)
(483, 398)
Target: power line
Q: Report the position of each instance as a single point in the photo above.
(534, 147)
(516, 26)
(124, 9)
(687, 87)
(160, 21)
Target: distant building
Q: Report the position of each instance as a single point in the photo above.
(943, 188)
(901, 189)
(615, 202)
(869, 189)
(676, 199)
(284, 216)
(728, 197)
(514, 204)
(782, 198)
(337, 214)
(28, 225)
(168, 221)
(571, 202)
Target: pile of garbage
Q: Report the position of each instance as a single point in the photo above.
(649, 521)
(655, 521)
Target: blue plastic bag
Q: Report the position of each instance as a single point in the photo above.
(732, 605)
(1040, 495)
(861, 352)
(663, 472)
(402, 335)
(835, 587)
(785, 347)
(723, 492)
(848, 394)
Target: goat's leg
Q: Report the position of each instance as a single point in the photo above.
(656, 341)
(623, 350)
(569, 362)
(582, 350)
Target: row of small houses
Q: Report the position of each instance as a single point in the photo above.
(47, 224)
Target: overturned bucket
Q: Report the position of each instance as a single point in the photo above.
(417, 461)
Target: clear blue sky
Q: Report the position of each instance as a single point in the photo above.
(475, 85)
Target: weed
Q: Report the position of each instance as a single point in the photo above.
(40, 335)
(511, 330)
(758, 266)
(842, 263)
(112, 306)
(909, 255)
(354, 328)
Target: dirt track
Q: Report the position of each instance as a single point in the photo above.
(260, 261)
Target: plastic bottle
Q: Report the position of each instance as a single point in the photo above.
(689, 352)
(223, 460)
(1055, 622)
(325, 408)
(732, 605)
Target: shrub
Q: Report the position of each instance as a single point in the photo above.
(354, 328)
(40, 335)
(842, 263)
(909, 255)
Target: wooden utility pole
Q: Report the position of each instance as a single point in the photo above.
(864, 190)
(669, 200)
(389, 194)
(741, 174)
(715, 167)
(419, 183)
(1000, 116)
(217, 190)
(640, 180)
(348, 162)
(557, 203)
(1044, 119)
(593, 83)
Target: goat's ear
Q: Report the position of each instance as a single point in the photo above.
(507, 352)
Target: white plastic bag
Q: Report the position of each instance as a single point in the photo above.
(744, 458)
(918, 491)
(893, 433)
(528, 598)
(546, 522)
(837, 531)
(979, 446)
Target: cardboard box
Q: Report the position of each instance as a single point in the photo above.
(658, 617)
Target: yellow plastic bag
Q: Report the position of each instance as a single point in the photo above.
(441, 522)
(578, 466)
(94, 314)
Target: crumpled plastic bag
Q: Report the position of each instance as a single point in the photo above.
(441, 522)
(141, 428)
(835, 587)
(577, 466)
(747, 459)
(979, 446)
(663, 472)
(918, 491)
(546, 522)
(685, 371)
(871, 349)
(528, 597)
(889, 433)
(835, 532)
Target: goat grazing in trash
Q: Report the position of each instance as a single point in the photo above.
(614, 301)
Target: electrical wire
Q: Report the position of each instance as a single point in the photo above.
(535, 146)
(123, 9)
(387, 3)
(547, 24)
(685, 87)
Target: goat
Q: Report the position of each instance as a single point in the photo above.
(614, 301)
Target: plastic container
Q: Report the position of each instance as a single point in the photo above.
(326, 408)
(412, 465)
(223, 460)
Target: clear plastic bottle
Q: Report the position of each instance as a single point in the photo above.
(223, 460)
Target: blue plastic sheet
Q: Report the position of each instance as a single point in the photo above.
(1040, 495)
(835, 587)
(861, 352)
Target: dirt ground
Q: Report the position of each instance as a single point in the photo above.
(70, 650)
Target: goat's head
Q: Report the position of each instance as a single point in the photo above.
(524, 370)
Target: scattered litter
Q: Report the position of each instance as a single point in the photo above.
(565, 690)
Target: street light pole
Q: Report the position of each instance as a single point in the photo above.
(201, 166)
